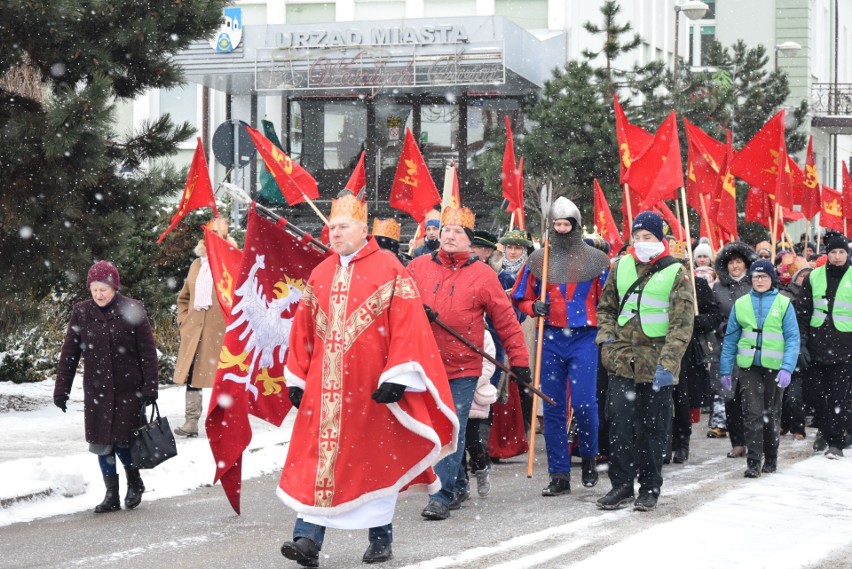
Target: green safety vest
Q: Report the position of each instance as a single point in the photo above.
(651, 302)
(769, 340)
(841, 311)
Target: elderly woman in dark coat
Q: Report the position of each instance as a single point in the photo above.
(112, 334)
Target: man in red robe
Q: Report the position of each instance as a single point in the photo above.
(375, 410)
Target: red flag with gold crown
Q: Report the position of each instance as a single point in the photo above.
(250, 379)
(413, 190)
(632, 141)
(831, 214)
(763, 162)
(811, 203)
(224, 260)
(605, 223)
(657, 173)
(725, 214)
(296, 183)
(705, 156)
(197, 191)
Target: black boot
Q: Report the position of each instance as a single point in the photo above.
(135, 488)
(753, 469)
(111, 501)
(770, 464)
(681, 455)
(557, 487)
(590, 472)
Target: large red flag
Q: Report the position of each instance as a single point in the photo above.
(413, 190)
(632, 141)
(761, 209)
(657, 173)
(847, 193)
(705, 157)
(296, 183)
(763, 162)
(357, 183)
(250, 379)
(726, 211)
(225, 261)
(605, 223)
(197, 191)
(626, 220)
(831, 214)
(811, 202)
(520, 217)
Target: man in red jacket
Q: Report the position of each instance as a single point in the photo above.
(460, 289)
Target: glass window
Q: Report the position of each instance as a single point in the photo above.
(181, 103)
(439, 129)
(486, 123)
(310, 13)
(392, 118)
(379, 9)
(707, 35)
(529, 14)
(327, 135)
(445, 8)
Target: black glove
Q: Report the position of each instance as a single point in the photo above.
(430, 314)
(389, 392)
(149, 399)
(61, 401)
(522, 375)
(541, 308)
(295, 396)
(804, 360)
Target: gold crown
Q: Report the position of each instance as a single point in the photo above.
(677, 249)
(349, 206)
(458, 216)
(386, 228)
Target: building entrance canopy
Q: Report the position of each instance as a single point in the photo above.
(475, 54)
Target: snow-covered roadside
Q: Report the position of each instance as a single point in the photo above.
(46, 469)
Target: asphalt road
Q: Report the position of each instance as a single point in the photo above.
(514, 527)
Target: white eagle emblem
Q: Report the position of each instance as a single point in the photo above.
(267, 330)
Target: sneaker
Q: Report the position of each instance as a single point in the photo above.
(819, 443)
(646, 502)
(301, 550)
(458, 498)
(483, 481)
(617, 498)
(557, 487)
(436, 510)
(770, 465)
(717, 433)
(834, 453)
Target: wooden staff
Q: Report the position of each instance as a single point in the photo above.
(689, 248)
(511, 221)
(546, 200)
(707, 223)
(629, 206)
(772, 229)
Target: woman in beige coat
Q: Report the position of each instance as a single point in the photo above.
(202, 329)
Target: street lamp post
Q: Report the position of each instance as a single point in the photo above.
(787, 49)
(693, 10)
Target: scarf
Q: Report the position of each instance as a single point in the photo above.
(514, 267)
(203, 298)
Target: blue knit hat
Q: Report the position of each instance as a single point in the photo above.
(651, 222)
(762, 266)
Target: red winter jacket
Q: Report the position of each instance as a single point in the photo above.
(461, 289)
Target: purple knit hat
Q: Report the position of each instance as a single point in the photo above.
(103, 272)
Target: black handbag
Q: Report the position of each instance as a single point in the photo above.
(152, 442)
(708, 347)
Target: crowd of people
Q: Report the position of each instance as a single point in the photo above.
(386, 352)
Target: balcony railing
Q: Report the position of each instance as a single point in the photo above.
(831, 99)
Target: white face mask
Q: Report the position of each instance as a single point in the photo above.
(646, 251)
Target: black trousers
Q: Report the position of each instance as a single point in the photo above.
(734, 419)
(793, 405)
(761, 399)
(832, 385)
(681, 423)
(639, 421)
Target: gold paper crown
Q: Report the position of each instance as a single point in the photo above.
(349, 206)
(386, 228)
(458, 216)
(677, 249)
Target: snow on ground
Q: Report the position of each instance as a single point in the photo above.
(46, 468)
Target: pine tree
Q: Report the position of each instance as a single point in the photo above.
(77, 190)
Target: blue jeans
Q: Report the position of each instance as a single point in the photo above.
(447, 469)
(381, 534)
(569, 354)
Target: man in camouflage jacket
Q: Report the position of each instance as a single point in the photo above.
(642, 341)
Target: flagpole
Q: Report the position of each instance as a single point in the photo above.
(689, 249)
(706, 223)
(629, 205)
(511, 221)
(315, 208)
(772, 229)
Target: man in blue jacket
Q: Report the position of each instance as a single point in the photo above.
(763, 336)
